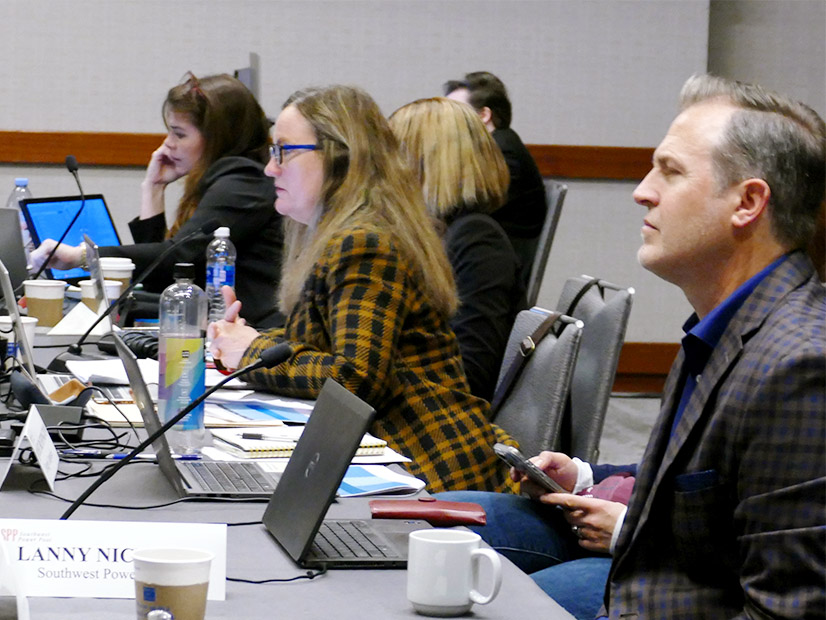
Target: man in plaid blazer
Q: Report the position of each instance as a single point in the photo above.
(728, 513)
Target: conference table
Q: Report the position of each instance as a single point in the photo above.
(252, 554)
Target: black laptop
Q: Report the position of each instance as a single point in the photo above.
(12, 252)
(47, 218)
(296, 511)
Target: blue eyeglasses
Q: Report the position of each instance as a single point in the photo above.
(277, 150)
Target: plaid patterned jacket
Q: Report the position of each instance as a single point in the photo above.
(363, 320)
(728, 519)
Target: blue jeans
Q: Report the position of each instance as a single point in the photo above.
(538, 539)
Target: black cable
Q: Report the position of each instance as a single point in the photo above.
(308, 575)
(118, 409)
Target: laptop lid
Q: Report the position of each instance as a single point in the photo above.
(11, 246)
(96, 274)
(183, 480)
(23, 344)
(316, 468)
(47, 218)
(151, 421)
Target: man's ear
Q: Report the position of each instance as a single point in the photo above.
(486, 115)
(754, 197)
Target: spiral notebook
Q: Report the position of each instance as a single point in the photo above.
(269, 442)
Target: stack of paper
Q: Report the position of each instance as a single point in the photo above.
(279, 442)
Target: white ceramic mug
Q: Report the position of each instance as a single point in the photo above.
(443, 571)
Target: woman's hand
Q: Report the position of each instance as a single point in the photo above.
(231, 304)
(159, 173)
(66, 256)
(161, 169)
(231, 337)
(592, 520)
(558, 466)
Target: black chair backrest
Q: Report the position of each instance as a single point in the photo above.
(604, 308)
(554, 195)
(533, 409)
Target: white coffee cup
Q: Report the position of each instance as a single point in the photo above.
(175, 580)
(87, 292)
(443, 570)
(117, 268)
(44, 300)
(6, 331)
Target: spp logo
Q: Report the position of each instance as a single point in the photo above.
(8, 534)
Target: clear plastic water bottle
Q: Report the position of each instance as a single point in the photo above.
(220, 261)
(21, 192)
(182, 327)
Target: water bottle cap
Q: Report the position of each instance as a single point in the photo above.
(184, 271)
(21, 181)
(222, 232)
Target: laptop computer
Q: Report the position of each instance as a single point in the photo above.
(23, 345)
(201, 478)
(47, 218)
(53, 381)
(11, 246)
(295, 513)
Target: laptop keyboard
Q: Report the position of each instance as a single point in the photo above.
(231, 476)
(349, 539)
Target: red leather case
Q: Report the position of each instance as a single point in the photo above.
(438, 513)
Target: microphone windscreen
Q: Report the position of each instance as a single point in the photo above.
(71, 163)
(275, 355)
(209, 226)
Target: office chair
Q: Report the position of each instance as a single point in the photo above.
(554, 196)
(532, 410)
(604, 308)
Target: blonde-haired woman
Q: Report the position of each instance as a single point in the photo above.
(368, 291)
(464, 178)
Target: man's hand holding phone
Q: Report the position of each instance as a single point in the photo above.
(550, 477)
(548, 472)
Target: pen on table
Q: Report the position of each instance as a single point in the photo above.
(262, 437)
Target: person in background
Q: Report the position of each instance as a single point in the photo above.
(218, 138)
(524, 212)
(726, 518)
(367, 290)
(464, 177)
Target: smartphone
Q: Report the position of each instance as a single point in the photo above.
(514, 458)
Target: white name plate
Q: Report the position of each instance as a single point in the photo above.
(86, 559)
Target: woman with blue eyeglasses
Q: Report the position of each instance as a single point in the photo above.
(368, 291)
(217, 140)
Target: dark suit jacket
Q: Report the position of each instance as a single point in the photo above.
(236, 194)
(364, 321)
(727, 519)
(523, 214)
(490, 294)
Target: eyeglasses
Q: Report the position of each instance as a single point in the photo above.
(277, 151)
(194, 83)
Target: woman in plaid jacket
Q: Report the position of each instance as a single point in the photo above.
(368, 291)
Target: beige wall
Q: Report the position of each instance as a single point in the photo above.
(579, 72)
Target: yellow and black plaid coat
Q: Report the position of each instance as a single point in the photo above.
(364, 321)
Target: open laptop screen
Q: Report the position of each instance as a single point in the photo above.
(47, 218)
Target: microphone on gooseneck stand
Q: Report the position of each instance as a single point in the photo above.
(269, 358)
(71, 166)
(207, 229)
